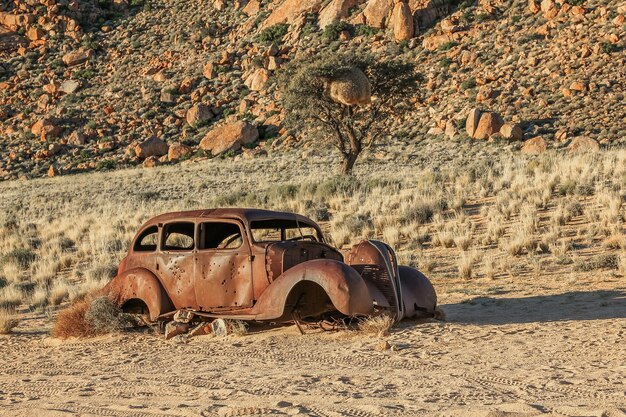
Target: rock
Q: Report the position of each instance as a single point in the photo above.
(229, 137)
(534, 146)
(377, 12)
(532, 6)
(209, 71)
(174, 328)
(333, 11)
(472, 121)
(186, 85)
(582, 144)
(177, 151)
(402, 22)
(577, 86)
(151, 162)
(42, 124)
(52, 88)
(69, 86)
(256, 81)
(490, 123)
(289, 10)
(219, 327)
(450, 130)
(167, 96)
(350, 88)
(511, 131)
(252, 8)
(383, 345)
(54, 148)
(549, 9)
(183, 316)
(201, 329)
(151, 147)
(76, 138)
(77, 57)
(34, 34)
(53, 171)
(197, 114)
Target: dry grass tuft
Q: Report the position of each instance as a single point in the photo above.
(376, 325)
(7, 321)
(90, 317)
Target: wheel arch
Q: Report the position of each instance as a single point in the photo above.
(340, 283)
(139, 284)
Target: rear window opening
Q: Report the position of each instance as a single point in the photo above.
(147, 241)
(278, 230)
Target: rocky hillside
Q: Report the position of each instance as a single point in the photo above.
(104, 84)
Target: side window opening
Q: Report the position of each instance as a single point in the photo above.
(178, 237)
(218, 235)
(147, 241)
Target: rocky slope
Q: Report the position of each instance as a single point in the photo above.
(103, 84)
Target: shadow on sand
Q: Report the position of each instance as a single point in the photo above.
(578, 305)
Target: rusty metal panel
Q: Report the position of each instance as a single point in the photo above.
(223, 279)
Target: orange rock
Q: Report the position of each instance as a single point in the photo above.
(472, 121)
(583, 144)
(229, 137)
(534, 146)
(377, 12)
(402, 22)
(490, 123)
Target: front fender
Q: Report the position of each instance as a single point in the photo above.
(139, 284)
(342, 284)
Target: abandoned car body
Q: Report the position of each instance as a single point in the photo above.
(259, 265)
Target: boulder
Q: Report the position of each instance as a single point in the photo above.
(151, 162)
(53, 171)
(534, 146)
(41, 125)
(69, 86)
(76, 57)
(450, 128)
(229, 137)
(582, 144)
(289, 10)
(256, 81)
(377, 12)
(472, 121)
(490, 123)
(208, 71)
(198, 113)
(511, 131)
(252, 8)
(34, 34)
(177, 151)
(350, 88)
(402, 22)
(333, 11)
(76, 138)
(151, 147)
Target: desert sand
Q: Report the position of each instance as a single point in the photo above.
(534, 351)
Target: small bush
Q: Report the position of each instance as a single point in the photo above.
(333, 30)
(21, 257)
(610, 261)
(448, 45)
(90, 317)
(274, 33)
(7, 321)
(608, 47)
(365, 30)
(468, 84)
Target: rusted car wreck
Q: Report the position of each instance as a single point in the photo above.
(259, 265)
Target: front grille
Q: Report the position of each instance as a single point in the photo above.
(379, 276)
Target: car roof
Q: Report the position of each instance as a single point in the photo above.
(246, 215)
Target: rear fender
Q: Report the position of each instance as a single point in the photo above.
(342, 285)
(139, 284)
(418, 294)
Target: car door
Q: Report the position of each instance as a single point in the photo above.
(175, 262)
(223, 276)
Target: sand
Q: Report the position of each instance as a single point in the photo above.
(512, 354)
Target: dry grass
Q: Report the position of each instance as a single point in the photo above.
(532, 215)
(7, 321)
(71, 321)
(378, 326)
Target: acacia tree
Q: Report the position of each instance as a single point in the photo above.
(350, 128)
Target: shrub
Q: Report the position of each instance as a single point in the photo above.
(608, 47)
(273, 33)
(90, 317)
(468, 84)
(334, 29)
(610, 261)
(377, 325)
(21, 257)
(7, 321)
(445, 62)
(448, 45)
(365, 30)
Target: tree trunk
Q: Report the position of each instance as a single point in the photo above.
(347, 162)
